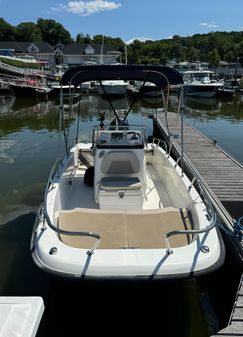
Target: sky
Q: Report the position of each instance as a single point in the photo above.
(130, 19)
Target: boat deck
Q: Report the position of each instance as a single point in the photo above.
(131, 227)
(77, 194)
(124, 228)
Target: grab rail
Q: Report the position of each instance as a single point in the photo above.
(212, 215)
(156, 143)
(187, 232)
(43, 211)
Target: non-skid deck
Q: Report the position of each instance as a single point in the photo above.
(76, 194)
(124, 228)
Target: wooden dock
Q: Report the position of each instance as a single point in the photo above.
(220, 174)
(222, 177)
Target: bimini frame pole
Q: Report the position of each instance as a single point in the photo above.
(62, 124)
(182, 129)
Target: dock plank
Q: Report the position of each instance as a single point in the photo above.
(231, 331)
(222, 173)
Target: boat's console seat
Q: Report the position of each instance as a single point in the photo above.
(119, 178)
(120, 183)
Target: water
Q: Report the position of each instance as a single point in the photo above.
(28, 149)
(221, 120)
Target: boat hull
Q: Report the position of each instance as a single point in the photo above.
(207, 91)
(204, 254)
(123, 265)
(112, 88)
(21, 91)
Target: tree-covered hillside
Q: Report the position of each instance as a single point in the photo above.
(212, 47)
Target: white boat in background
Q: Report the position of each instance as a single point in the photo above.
(199, 84)
(112, 87)
(147, 89)
(67, 90)
(120, 207)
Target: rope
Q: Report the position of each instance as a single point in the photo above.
(226, 230)
(238, 227)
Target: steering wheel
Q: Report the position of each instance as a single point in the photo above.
(133, 135)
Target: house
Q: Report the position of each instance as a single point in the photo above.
(77, 54)
(71, 55)
(41, 51)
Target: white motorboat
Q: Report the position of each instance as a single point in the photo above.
(112, 87)
(147, 90)
(121, 207)
(198, 83)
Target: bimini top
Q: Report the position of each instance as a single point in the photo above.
(159, 75)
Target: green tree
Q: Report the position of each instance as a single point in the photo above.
(214, 46)
(116, 42)
(134, 52)
(28, 31)
(80, 38)
(7, 32)
(98, 39)
(87, 39)
(53, 32)
(214, 57)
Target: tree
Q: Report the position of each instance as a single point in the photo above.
(87, 39)
(80, 38)
(98, 39)
(113, 41)
(214, 57)
(28, 31)
(53, 32)
(211, 47)
(134, 51)
(7, 32)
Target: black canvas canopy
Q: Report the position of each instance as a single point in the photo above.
(159, 75)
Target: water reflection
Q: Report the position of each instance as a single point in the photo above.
(6, 102)
(201, 104)
(219, 118)
(211, 108)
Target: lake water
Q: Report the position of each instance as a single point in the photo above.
(28, 149)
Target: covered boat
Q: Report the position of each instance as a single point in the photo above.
(120, 206)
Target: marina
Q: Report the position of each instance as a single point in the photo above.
(36, 124)
(121, 169)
